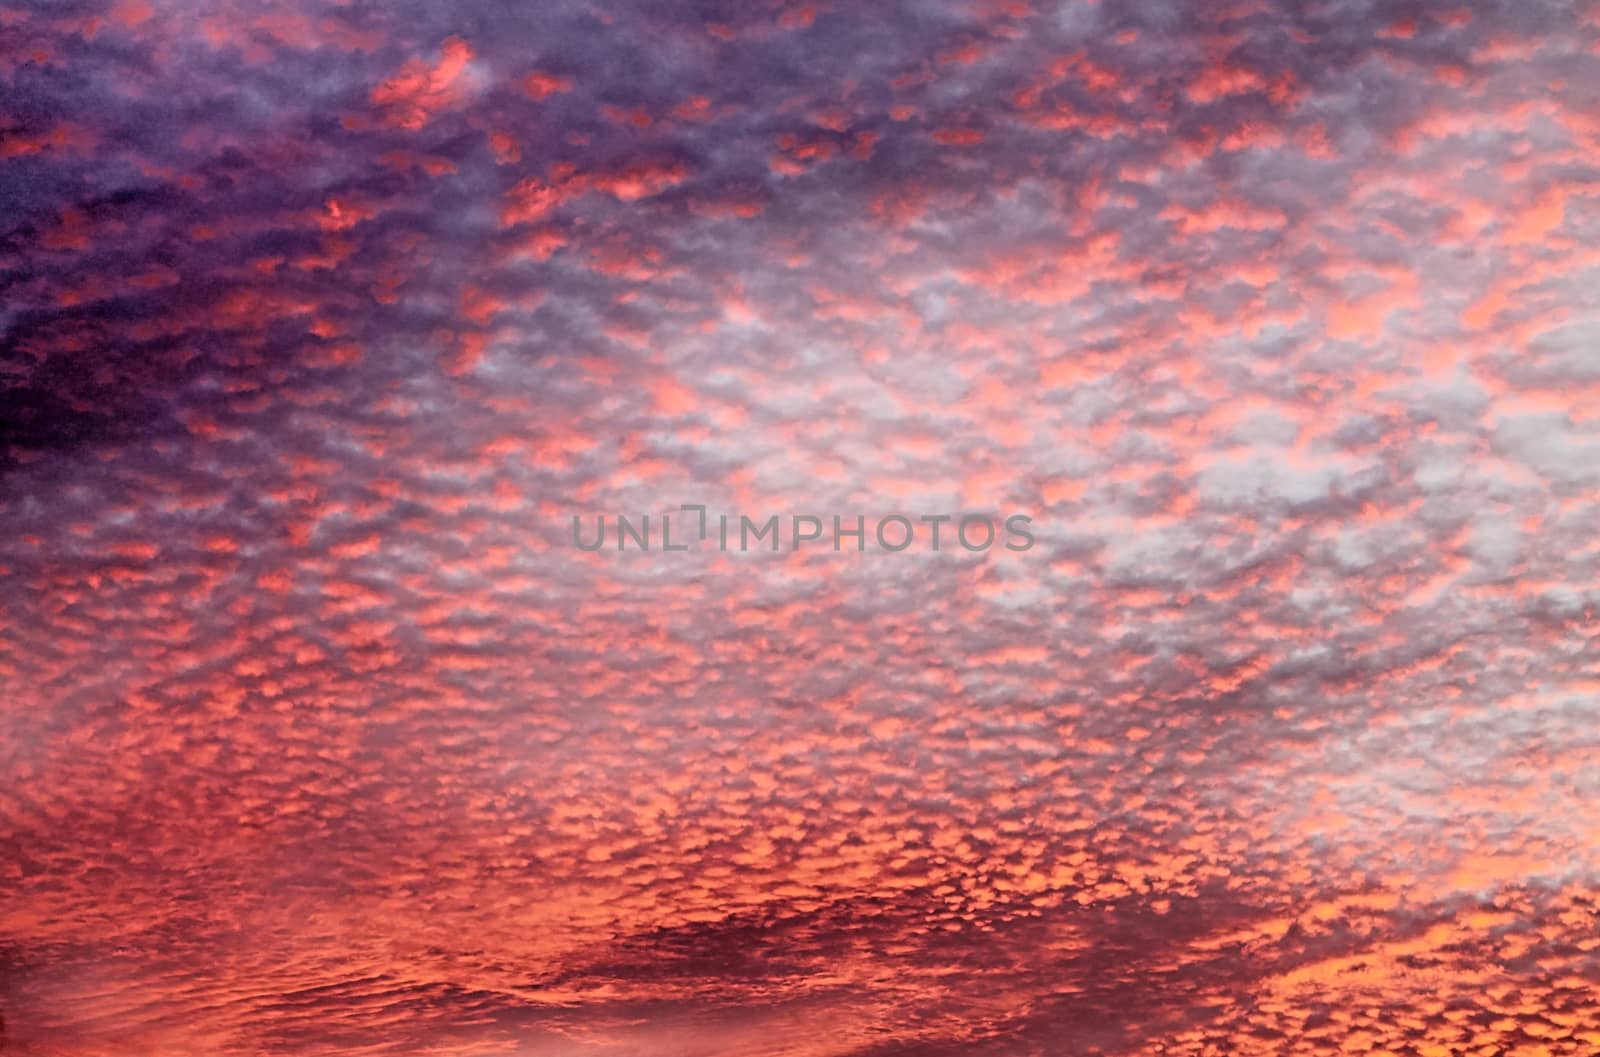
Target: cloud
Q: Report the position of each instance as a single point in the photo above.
(321, 323)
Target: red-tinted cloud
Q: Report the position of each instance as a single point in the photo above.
(318, 735)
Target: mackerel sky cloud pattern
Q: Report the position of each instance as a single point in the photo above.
(318, 323)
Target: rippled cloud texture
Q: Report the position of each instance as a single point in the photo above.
(318, 736)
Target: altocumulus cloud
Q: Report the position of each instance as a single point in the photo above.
(320, 321)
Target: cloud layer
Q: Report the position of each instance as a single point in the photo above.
(320, 323)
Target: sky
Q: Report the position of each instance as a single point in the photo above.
(321, 322)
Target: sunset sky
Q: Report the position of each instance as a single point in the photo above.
(319, 323)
